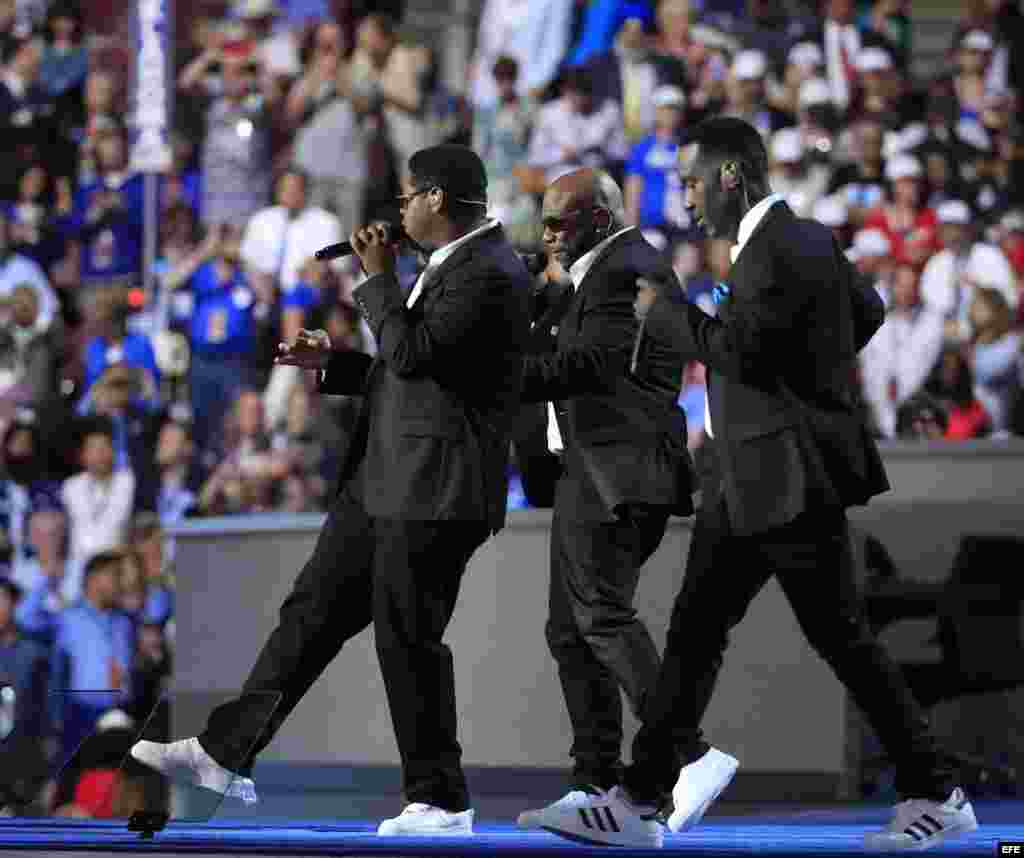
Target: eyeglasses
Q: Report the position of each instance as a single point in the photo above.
(405, 199)
(561, 224)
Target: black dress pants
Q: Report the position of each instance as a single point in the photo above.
(812, 559)
(404, 577)
(598, 642)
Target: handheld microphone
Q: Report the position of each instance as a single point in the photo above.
(344, 248)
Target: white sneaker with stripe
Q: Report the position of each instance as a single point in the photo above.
(920, 823)
(607, 819)
(698, 785)
(186, 760)
(572, 799)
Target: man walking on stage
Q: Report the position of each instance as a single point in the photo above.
(794, 455)
(422, 485)
(626, 467)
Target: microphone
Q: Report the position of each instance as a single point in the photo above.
(344, 248)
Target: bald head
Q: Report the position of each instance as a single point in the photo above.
(580, 209)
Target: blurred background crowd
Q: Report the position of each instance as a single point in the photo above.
(131, 398)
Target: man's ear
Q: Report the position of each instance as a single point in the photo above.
(730, 176)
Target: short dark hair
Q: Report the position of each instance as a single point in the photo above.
(12, 588)
(95, 424)
(578, 79)
(732, 139)
(505, 67)
(101, 561)
(459, 172)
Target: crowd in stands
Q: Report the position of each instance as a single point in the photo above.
(137, 391)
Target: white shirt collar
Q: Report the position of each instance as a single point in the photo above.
(442, 253)
(750, 221)
(581, 267)
(15, 84)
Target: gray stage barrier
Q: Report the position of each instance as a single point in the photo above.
(777, 707)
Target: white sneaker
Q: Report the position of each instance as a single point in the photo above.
(425, 820)
(571, 800)
(699, 784)
(921, 824)
(185, 760)
(609, 819)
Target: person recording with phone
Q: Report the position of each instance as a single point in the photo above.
(422, 485)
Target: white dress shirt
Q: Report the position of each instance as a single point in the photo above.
(748, 224)
(99, 512)
(275, 244)
(441, 254)
(577, 272)
(838, 36)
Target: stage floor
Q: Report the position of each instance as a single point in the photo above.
(764, 831)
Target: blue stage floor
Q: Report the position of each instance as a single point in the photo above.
(824, 832)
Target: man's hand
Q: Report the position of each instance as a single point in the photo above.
(372, 244)
(311, 350)
(646, 295)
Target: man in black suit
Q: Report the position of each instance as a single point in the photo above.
(794, 454)
(422, 485)
(622, 442)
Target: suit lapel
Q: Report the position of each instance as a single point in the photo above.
(460, 256)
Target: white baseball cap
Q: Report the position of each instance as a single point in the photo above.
(805, 54)
(873, 60)
(977, 40)
(787, 146)
(669, 96)
(953, 211)
(831, 211)
(869, 242)
(814, 91)
(749, 65)
(903, 166)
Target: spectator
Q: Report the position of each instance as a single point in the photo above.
(275, 49)
(92, 656)
(8, 25)
(17, 270)
(952, 384)
(747, 93)
(30, 353)
(800, 183)
(150, 542)
(941, 177)
(995, 356)
(279, 241)
(842, 44)
(297, 441)
(182, 184)
(922, 418)
(42, 578)
(114, 344)
(107, 220)
(501, 137)
(951, 276)
(1009, 235)
(872, 254)
(132, 587)
(817, 118)
(98, 501)
(223, 328)
(900, 357)
(81, 128)
(235, 156)
(876, 98)
(707, 72)
(330, 141)
(65, 60)
(770, 30)
(969, 82)
(862, 182)
(674, 39)
(117, 396)
(803, 62)
(655, 198)
(32, 222)
(630, 71)
(179, 475)
(535, 33)
(910, 226)
(26, 111)
(387, 76)
(24, 489)
(886, 23)
(575, 131)
(24, 668)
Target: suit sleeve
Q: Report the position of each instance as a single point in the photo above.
(755, 332)
(868, 310)
(410, 346)
(345, 373)
(607, 330)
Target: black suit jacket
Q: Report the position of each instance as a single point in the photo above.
(780, 359)
(431, 439)
(625, 438)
